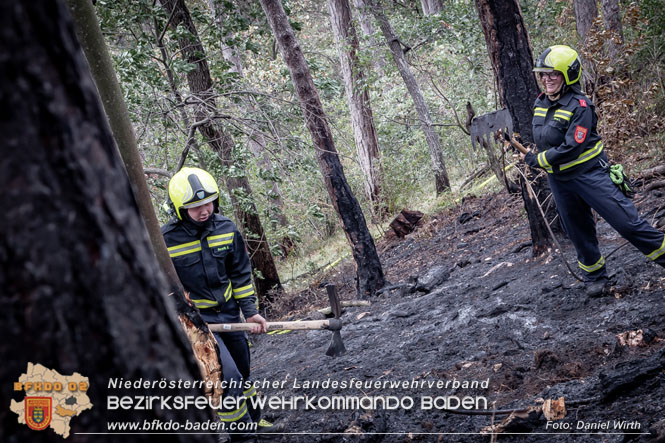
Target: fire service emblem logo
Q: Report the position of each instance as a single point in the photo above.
(38, 412)
(580, 134)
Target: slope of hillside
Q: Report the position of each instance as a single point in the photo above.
(477, 317)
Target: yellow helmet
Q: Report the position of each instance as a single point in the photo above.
(561, 58)
(192, 187)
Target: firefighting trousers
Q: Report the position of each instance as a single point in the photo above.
(594, 189)
(235, 360)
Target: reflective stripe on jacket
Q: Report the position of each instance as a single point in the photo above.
(212, 264)
(565, 134)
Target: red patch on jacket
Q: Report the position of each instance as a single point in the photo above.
(580, 134)
(583, 103)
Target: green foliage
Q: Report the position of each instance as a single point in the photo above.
(653, 13)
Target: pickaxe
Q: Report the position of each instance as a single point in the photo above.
(485, 126)
(336, 347)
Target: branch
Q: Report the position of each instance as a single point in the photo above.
(190, 141)
(157, 171)
(438, 91)
(651, 172)
(655, 185)
(166, 26)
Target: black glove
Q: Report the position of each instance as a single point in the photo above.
(531, 159)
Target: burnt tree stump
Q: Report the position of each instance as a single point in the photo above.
(405, 223)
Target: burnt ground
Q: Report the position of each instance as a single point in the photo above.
(492, 312)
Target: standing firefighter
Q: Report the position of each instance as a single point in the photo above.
(571, 151)
(209, 255)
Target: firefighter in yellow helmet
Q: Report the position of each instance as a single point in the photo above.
(209, 255)
(572, 153)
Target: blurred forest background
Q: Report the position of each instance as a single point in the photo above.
(269, 167)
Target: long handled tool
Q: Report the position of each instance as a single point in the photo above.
(336, 347)
(332, 324)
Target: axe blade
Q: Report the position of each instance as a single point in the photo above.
(336, 347)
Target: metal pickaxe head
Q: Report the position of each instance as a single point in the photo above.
(336, 347)
(485, 126)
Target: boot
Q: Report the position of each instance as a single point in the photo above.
(266, 427)
(595, 288)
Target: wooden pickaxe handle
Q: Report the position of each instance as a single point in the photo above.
(520, 147)
(332, 324)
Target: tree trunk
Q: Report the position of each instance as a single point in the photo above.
(440, 174)
(369, 272)
(257, 141)
(357, 95)
(612, 20)
(200, 84)
(82, 291)
(585, 13)
(365, 20)
(512, 61)
(431, 7)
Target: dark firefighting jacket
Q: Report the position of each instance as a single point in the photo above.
(565, 134)
(213, 265)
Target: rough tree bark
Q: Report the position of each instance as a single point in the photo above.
(369, 277)
(200, 84)
(82, 291)
(512, 61)
(357, 96)
(440, 174)
(612, 21)
(101, 68)
(431, 7)
(585, 13)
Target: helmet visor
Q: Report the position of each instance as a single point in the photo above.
(201, 202)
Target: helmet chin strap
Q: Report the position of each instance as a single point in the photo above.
(556, 94)
(576, 87)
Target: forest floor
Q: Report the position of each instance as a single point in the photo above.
(482, 310)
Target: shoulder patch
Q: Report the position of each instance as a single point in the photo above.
(583, 103)
(580, 134)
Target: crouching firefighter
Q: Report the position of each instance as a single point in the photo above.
(572, 153)
(210, 258)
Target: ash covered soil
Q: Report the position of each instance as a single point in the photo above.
(474, 305)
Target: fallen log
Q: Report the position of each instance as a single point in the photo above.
(655, 185)
(651, 172)
(480, 171)
(346, 304)
(628, 375)
(405, 222)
